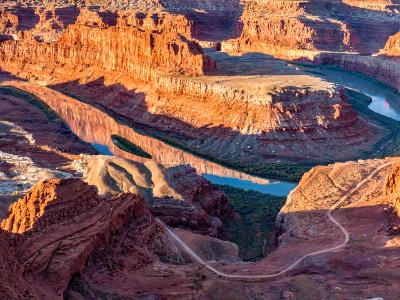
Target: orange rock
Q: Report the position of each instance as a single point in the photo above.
(392, 47)
(126, 48)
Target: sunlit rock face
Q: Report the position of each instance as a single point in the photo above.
(161, 79)
(392, 47)
(175, 194)
(391, 189)
(98, 236)
(295, 29)
(60, 224)
(90, 42)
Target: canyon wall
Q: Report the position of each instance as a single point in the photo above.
(116, 48)
(144, 69)
(43, 246)
(175, 194)
(392, 190)
(392, 47)
(295, 29)
(281, 27)
(384, 70)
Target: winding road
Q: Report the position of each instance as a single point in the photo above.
(346, 234)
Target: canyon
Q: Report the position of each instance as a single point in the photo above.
(136, 137)
(138, 81)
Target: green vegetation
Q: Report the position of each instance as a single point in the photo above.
(32, 100)
(284, 172)
(257, 212)
(388, 145)
(128, 146)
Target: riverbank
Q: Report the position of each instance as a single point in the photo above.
(50, 114)
(275, 171)
(360, 91)
(388, 145)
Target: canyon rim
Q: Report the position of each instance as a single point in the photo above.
(239, 149)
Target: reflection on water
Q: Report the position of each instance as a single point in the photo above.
(385, 101)
(96, 127)
(274, 188)
(102, 149)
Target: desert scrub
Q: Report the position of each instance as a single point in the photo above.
(257, 211)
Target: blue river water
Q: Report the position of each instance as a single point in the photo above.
(277, 188)
(385, 100)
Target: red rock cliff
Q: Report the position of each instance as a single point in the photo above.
(125, 48)
(60, 223)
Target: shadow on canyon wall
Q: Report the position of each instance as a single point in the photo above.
(212, 21)
(250, 64)
(48, 131)
(97, 125)
(370, 39)
(28, 18)
(131, 107)
(364, 224)
(371, 28)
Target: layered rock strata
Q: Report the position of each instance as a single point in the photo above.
(60, 224)
(175, 194)
(392, 47)
(379, 68)
(137, 80)
(63, 240)
(90, 42)
(296, 29)
(66, 241)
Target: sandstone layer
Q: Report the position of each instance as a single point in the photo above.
(392, 47)
(61, 224)
(149, 77)
(296, 29)
(175, 194)
(77, 244)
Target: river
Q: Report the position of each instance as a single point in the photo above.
(96, 127)
(385, 100)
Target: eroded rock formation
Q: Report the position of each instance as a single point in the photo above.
(60, 223)
(392, 190)
(176, 194)
(145, 78)
(62, 232)
(90, 42)
(298, 29)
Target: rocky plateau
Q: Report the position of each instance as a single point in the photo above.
(158, 77)
(113, 114)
